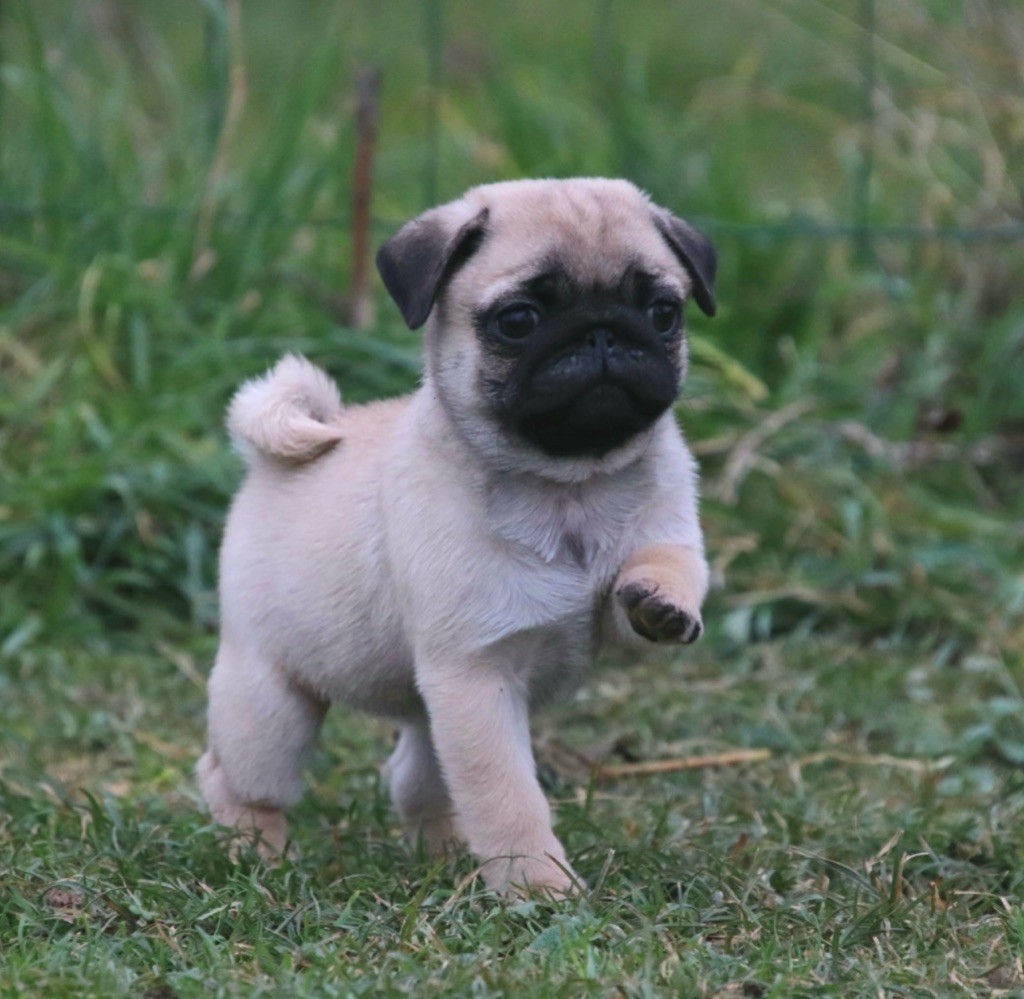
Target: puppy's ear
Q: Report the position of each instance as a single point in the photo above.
(696, 253)
(421, 258)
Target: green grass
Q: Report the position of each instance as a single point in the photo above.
(858, 414)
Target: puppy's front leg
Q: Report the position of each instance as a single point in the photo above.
(480, 726)
(658, 593)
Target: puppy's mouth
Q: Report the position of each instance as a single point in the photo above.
(590, 393)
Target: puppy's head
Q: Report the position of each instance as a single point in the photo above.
(555, 311)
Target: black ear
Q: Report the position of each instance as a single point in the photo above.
(696, 253)
(419, 260)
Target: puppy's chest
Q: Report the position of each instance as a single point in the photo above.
(566, 530)
(554, 553)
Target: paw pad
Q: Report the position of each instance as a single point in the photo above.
(656, 618)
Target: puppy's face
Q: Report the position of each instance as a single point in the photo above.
(556, 311)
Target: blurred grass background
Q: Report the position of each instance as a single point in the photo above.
(174, 213)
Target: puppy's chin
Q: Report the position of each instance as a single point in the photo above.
(589, 424)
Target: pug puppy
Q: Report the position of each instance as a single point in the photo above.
(455, 558)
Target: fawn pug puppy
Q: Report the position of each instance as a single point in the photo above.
(455, 558)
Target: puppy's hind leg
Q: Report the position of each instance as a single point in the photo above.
(261, 730)
(418, 790)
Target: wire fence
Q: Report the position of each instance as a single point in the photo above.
(859, 230)
(750, 231)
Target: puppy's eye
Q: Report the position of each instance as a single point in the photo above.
(517, 321)
(664, 317)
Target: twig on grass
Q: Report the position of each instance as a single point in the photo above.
(913, 454)
(744, 456)
(649, 768)
(875, 760)
(804, 594)
(185, 663)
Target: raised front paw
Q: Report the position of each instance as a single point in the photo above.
(655, 617)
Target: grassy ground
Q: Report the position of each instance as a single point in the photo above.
(857, 411)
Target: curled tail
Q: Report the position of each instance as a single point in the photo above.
(290, 414)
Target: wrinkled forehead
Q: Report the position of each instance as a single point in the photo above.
(589, 241)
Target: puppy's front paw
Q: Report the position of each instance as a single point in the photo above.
(655, 617)
(532, 877)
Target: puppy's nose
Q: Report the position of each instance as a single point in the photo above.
(601, 338)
